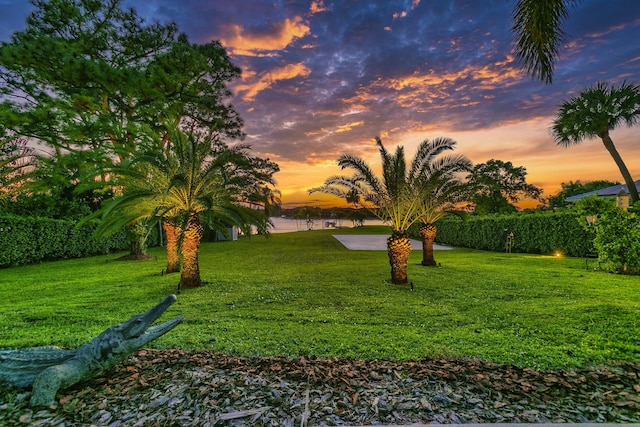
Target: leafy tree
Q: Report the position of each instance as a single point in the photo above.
(87, 75)
(190, 180)
(594, 113)
(51, 188)
(76, 77)
(395, 198)
(495, 185)
(357, 217)
(573, 188)
(439, 188)
(307, 214)
(537, 26)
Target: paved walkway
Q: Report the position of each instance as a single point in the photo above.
(374, 242)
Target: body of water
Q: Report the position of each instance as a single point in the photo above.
(287, 225)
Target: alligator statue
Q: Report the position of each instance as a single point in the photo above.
(47, 369)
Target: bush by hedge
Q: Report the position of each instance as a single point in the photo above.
(537, 233)
(618, 241)
(26, 240)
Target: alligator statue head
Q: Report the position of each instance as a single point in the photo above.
(48, 369)
(135, 332)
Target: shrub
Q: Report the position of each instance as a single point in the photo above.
(539, 232)
(27, 240)
(617, 234)
(618, 241)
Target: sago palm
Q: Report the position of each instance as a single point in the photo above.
(183, 184)
(438, 186)
(392, 198)
(594, 113)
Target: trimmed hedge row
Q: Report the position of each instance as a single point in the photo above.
(25, 240)
(536, 233)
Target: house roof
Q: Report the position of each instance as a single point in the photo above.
(604, 192)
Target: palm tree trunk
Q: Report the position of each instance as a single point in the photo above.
(428, 235)
(190, 277)
(631, 186)
(399, 249)
(137, 240)
(172, 232)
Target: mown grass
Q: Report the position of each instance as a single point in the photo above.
(305, 294)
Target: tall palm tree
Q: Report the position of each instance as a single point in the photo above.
(392, 198)
(537, 26)
(595, 112)
(438, 186)
(191, 180)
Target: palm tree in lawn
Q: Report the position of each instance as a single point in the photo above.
(594, 113)
(172, 232)
(391, 198)
(438, 187)
(537, 26)
(249, 179)
(192, 179)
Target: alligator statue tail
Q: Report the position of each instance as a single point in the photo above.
(20, 367)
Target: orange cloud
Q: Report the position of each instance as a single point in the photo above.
(349, 126)
(430, 90)
(317, 6)
(404, 13)
(399, 15)
(243, 43)
(499, 73)
(265, 80)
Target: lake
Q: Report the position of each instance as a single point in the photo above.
(288, 225)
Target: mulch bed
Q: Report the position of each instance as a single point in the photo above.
(180, 388)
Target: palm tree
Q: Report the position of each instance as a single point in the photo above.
(172, 232)
(537, 25)
(438, 187)
(392, 198)
(191, 180)
(595, 112)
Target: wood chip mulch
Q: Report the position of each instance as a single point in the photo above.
(180, 388)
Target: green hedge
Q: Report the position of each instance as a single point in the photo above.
(25, 240)
(537, 233)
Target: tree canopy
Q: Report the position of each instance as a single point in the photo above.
(495, 186)
(573, 188)
(89, 74)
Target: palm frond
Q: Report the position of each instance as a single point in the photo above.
(362, 169)
(595, 111)
(538, 30)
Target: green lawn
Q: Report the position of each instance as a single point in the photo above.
(304, 294)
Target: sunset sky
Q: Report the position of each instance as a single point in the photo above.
(322, 78)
